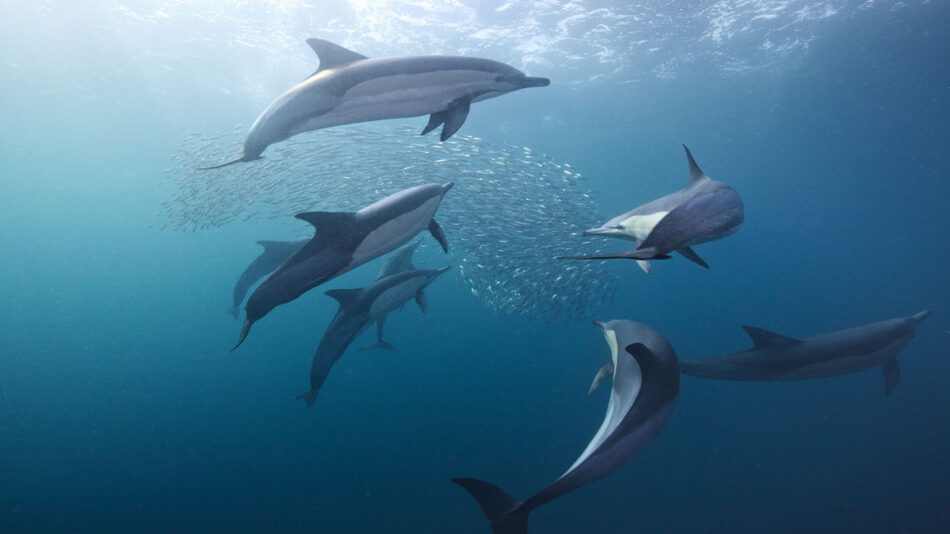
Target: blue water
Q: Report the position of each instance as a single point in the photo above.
(122, 411)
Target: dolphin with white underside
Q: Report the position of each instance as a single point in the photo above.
(359, 308)
(350, 88)
(777, 357)
(346, 240)
(703, 211)
(275, 253)
(644, 391)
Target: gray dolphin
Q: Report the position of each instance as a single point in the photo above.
(350, 88)
(644, 392)
(359, 308)
(274, 254)
(703, 211)
(346, 240)
(777, 357)
(397, 262)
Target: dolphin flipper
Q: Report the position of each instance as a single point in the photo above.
(435, 120)
(454, 117)
(422, 301)
(497, 506)
(439, 234)
(690, 254)
(892, 375)
(606, 370)
(650, 253)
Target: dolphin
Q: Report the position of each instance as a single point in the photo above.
(777, 357)
(642, 397)
(350, 88)
(703, 211)
(359, 308)
(274, 254)
(346, 240)
(397, 262)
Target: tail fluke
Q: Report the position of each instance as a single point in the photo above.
(310, 397)
(650, 253)
(382, 345)
(240, 159)
(244, 330)
(499, 507)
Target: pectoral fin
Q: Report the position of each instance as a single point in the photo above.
(892, 375)
(454, 117)
(606, 370)
(421, 300)
(435, 120)
(439, 234)
(691, 255)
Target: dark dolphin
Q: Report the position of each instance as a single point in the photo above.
(777, 357)
(703, 211)
(346, 240)
(350, 88)
(359, 308)
(274, 254)
(642, 397)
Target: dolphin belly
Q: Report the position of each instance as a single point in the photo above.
(395, 232)
(639, 227)
(846, 365)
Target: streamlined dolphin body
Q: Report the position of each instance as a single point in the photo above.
(777, 357)
(642, 397)
(274, 254)
(346, 240)
(360, 308)
(397, 262)
(703, 211)
(350, 88)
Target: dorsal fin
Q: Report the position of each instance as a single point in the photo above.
(695, 173)
(331, 55)
(344, 296)
(763, 339)
(328, 221)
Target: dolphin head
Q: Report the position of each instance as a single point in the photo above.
(919, 317)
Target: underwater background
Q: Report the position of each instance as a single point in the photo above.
(121, 409)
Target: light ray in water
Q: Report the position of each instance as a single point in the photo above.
(506, 220)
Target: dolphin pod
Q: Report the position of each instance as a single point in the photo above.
(777, 357)
(346, 240)
(350, 88)
(359, 308)
(703, 211)
(644, 391)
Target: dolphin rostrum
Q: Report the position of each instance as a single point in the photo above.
(703, 211)
(360, 308)
(274, 254)
(346, 240)
(777, 357)
(642, 397)
(350, 88)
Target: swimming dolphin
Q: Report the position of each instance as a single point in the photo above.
(274, 254)
(703, 211)
(350, 88)
(360, 308)
(397, 262)
(346, 240)
(644, 392)
(776, 357)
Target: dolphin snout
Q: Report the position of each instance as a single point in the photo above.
(531, 81)
(919, 317)
(446, 186)
(600, 324)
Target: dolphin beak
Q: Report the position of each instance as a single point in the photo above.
(529, 81)
(919, 317)
(600, 324)
(603, 230)
(446, 186)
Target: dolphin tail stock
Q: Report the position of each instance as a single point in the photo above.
(650, 253)
(501, 509)
(240, 159)
(310, 397)
(244, 330)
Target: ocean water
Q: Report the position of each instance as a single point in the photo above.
(121, 409)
